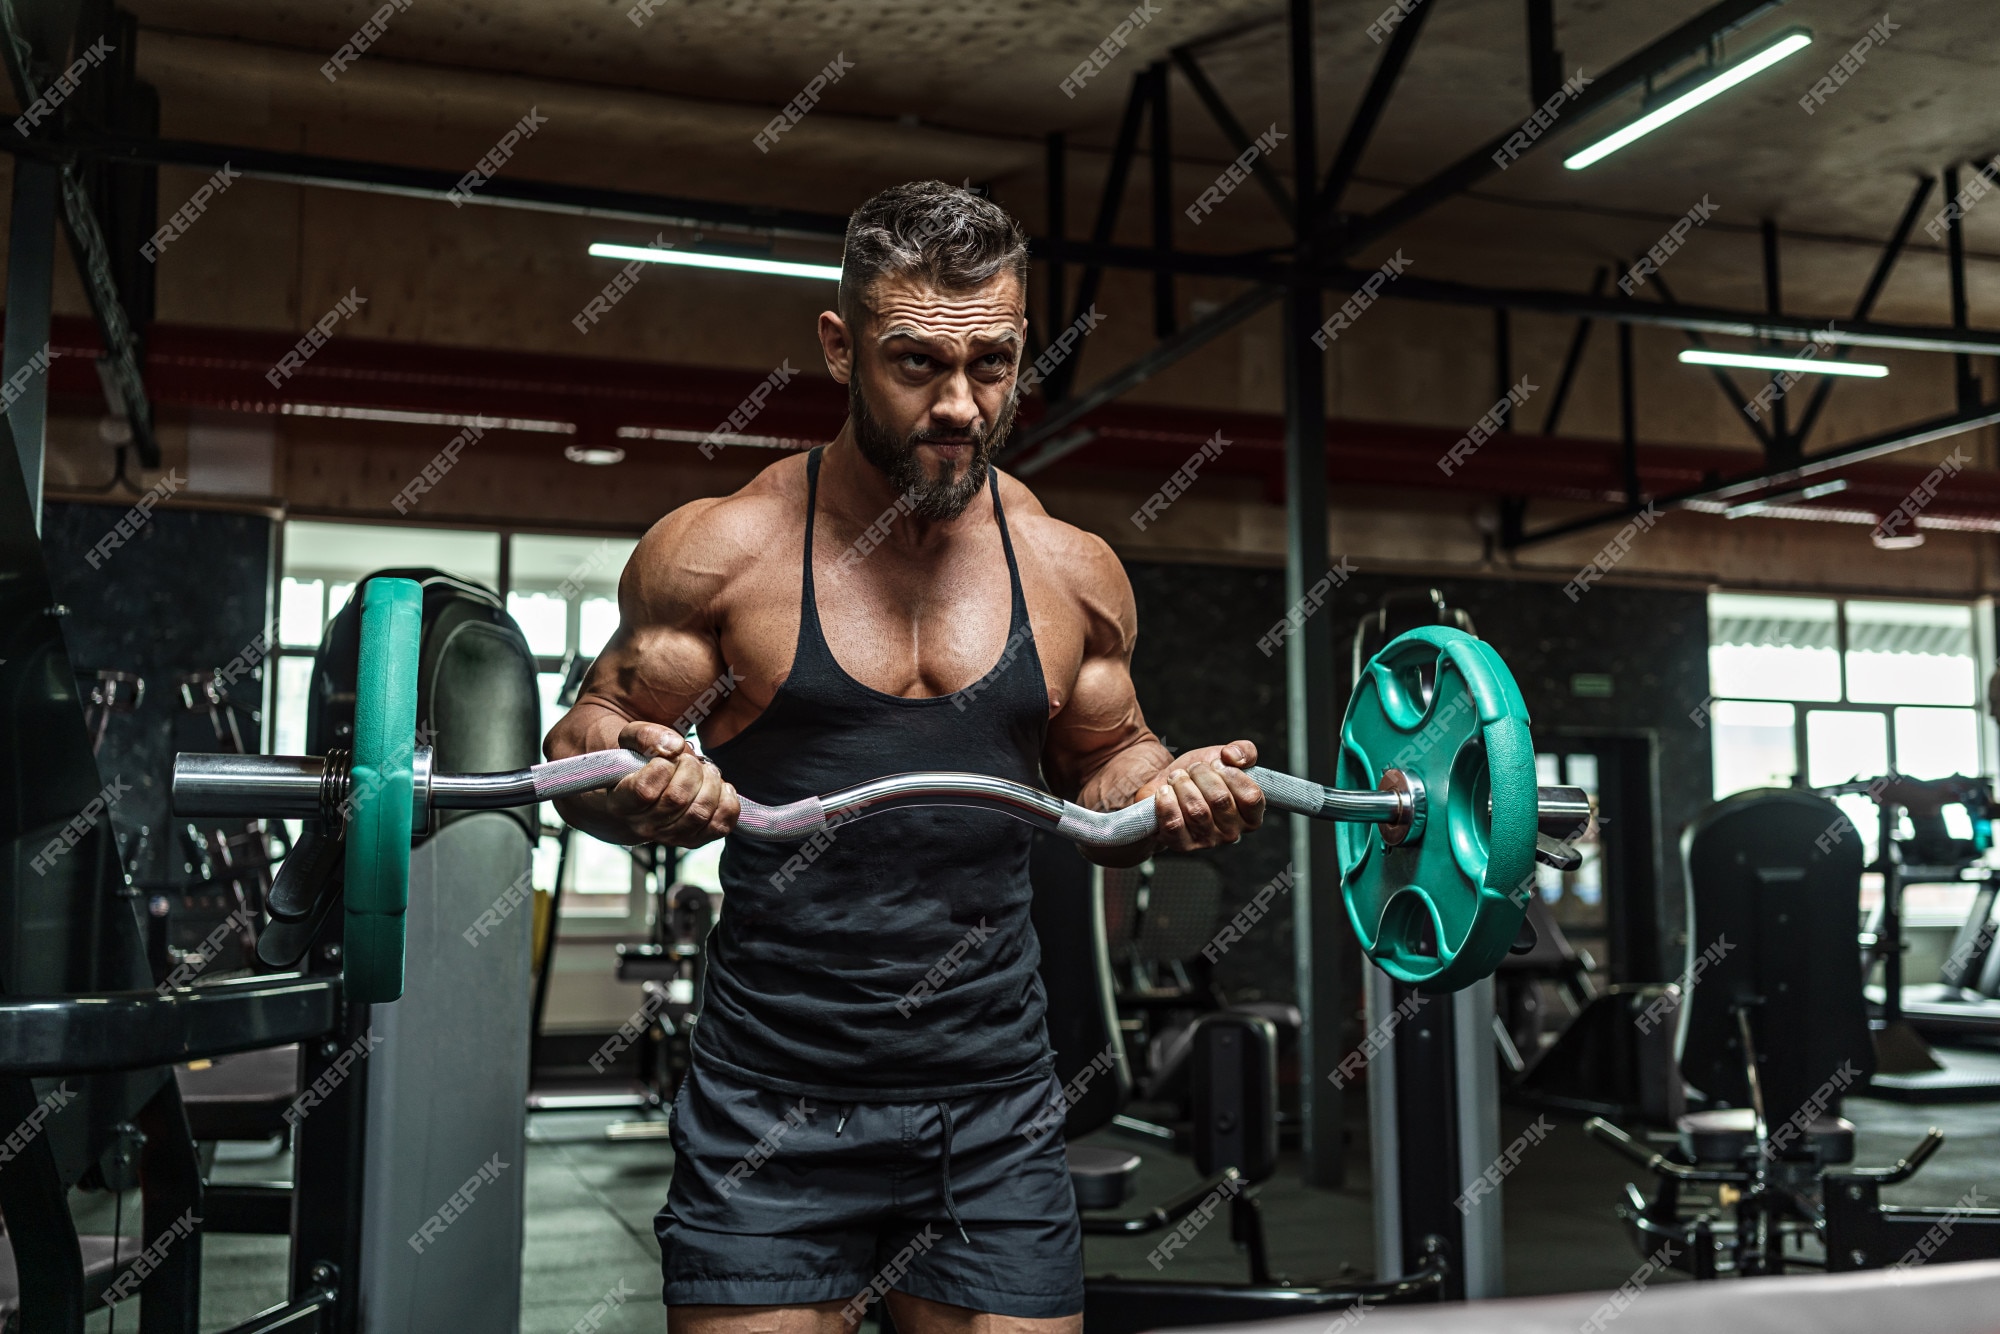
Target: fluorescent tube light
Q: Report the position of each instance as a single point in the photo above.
(784, 268)
(1796, 39)
(1750, 361)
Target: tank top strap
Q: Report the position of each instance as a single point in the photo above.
(1020, 599)
(812, 654)
(809, 604)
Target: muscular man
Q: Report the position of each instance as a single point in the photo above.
(885, 603)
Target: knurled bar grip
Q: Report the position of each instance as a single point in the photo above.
(802, 819)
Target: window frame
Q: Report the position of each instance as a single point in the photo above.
(578, 924)
(1984, 636)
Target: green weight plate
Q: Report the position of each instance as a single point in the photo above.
(379, 794)
(1442, 909)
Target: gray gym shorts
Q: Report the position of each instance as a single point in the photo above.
(779, 1200)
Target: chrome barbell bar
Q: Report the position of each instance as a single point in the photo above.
(307, 786)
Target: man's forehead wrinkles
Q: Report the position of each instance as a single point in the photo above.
(894, 317)
(957, 331)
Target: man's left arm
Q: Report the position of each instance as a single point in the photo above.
(1101, 755)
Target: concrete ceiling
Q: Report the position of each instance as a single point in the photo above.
(993, 71)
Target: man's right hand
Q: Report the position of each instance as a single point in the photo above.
(679, 798)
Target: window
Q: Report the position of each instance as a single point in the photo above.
(563, 592)
(1840, 691)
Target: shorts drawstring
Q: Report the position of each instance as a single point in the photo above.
(950, 1206)
(845, 1108)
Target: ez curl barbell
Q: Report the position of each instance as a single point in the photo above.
(1441, 817)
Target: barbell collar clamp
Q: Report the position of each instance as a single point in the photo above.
(420, 790)
(1408, 821)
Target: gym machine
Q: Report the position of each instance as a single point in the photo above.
(381, 1103)
(1965, 1001)
(1772, 1031)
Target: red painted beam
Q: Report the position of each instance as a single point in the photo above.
(194, 366)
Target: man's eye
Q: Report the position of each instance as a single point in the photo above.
(996, 360)
(916, 361)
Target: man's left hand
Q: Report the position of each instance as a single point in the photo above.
(1205, 799)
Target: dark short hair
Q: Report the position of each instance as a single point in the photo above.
(949, 237)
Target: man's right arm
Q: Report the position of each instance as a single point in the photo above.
(665, 653)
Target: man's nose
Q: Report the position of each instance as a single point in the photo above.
(955, 409)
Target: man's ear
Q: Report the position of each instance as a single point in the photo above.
(836, 344)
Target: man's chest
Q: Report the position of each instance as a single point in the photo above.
(902, 626)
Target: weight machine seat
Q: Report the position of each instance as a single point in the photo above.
(241, 1097)
(1725, 1134)
(1103, 1178)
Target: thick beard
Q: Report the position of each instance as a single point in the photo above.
(937, 499)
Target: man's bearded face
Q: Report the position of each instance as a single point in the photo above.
(923, 347)
(945, 495)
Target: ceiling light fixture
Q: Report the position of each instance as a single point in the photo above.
(593, 456)
(1751, 361)
(1718, 81)
(692, 259)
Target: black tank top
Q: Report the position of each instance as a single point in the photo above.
(890, 957)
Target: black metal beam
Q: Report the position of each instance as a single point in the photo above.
(1369, 112)
(1884, 266)
(1725, 382)
(1069, 411)
(31, 254)
(1058, 384)
(1690, 38)
(1161, 124)
(1782, 447)
(1876, 446)
(1544, 60)
(428, 183)
(1573, 358)
(1628, 415)
(27, 63)
(1954, 249)
(1057, 168)
(336, 173)
(1707, 319)
(1186, 263)
(1575, 305)
(1324, 946)
(1232, 129)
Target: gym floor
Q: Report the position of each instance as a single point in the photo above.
(591, 1205)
